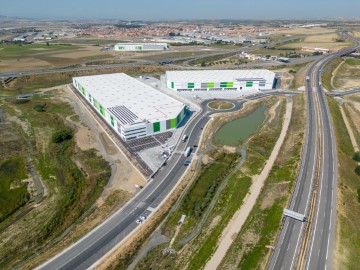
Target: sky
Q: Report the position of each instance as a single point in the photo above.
(179, 9)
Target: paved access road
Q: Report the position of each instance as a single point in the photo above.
(286, 252)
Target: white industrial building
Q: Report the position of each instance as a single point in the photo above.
(220, 80)
(132, 108)
(135, 47)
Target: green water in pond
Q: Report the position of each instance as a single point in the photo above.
(237, 131)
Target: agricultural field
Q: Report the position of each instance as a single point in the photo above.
(33, 56)
(171, 55)
(332, 41)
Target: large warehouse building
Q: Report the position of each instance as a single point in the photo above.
(220, 80)
(136, 47)
(131, 108)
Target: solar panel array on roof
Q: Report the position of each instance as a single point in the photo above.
(124, 115)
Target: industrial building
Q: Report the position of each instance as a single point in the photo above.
(132, 108)
(220, 80)
(136, 47)
(313, 49)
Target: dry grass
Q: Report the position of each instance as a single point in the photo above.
(306, 31)
(347, 76)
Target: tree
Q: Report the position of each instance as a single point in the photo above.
(62, 135)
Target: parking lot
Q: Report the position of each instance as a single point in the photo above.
(138, 145)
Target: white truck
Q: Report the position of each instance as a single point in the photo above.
(187, 152)
(184, 138)
(294, 215)
(308, 78)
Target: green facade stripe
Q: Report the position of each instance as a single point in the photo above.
(102, 111)
(96, 104)
(249, 84)
(112, 121)
(230, 84)
(191, 85)
(173, 123)
(211, 85)
(156, 126)
(172, 85)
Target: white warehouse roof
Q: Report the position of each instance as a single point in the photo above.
(219, 75)
(119, 90)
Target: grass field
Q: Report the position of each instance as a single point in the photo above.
(17, 51)
(32, 56)
(249, 250)
(348, 211)
(327, 74)
(221, 105)
(81, 41)
(13, 193)
(348, 74)
(71, 190)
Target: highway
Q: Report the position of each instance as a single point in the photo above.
(321, 243)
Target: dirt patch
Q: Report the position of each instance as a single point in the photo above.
(22, 64)
(85, 139)
(277, 190)
(229, 149)
(80, 54)
(109, 146)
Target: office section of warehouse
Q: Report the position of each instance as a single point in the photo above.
(220, 80)
(132, 108)
(134, 47)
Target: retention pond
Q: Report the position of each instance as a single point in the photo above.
(239, 130)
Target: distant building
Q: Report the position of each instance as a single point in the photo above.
(133, 109)
(220, 80)
(19, 38)
(313, 49)
(135, 47)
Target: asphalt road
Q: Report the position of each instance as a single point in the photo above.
(322, 239)
(340, 93)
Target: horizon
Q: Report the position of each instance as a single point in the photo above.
(160, 10)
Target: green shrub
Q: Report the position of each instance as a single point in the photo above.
(62, 135)
(357, 170)
(22, 101)
(40, 107)
(356, 156)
